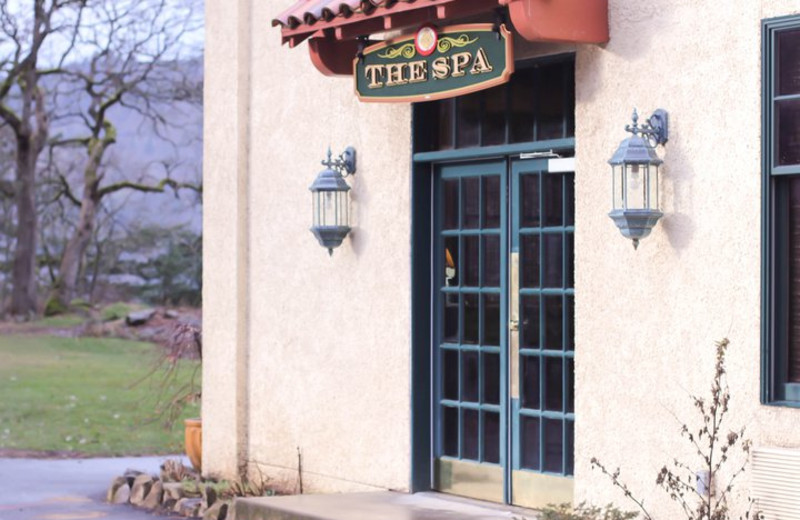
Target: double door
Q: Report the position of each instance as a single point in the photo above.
(503, 350)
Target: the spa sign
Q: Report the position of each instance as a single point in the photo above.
(435, 64)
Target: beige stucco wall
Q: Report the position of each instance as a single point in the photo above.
(321, 343)
(312, 353)
(647, 320)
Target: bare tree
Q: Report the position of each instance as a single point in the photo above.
(23, 109)
(136, 64)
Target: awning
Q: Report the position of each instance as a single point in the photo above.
(333, 26)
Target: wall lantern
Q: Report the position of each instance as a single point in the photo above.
(634, 169)
(331, 222)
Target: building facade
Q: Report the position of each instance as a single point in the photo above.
(485, 329)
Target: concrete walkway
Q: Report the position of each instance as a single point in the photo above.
(75, 489)
(381, 505)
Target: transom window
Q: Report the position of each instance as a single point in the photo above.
(781, 192)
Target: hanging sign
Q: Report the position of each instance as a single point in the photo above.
(435, 64)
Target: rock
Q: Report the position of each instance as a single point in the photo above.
(209, 496)
(122, 495)
(136, 318)
(115, 485)
(141, 487)
(131, 474)
(171, 314)
(154, 497)
(188, 507)
(173, 491)
(219, 511)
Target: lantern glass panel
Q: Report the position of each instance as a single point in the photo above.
(618, 186)
(636, 185)
(641, 187)
(343, 209)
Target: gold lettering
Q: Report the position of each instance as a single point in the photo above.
(394, 74)
(481, 63)
(417, 71)
(374, 73)
(460, 61)
(441, 68)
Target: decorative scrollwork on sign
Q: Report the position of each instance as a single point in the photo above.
(445, 43)
(406, 51)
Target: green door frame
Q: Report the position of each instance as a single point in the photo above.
(422, 261)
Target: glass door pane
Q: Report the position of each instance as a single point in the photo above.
(541, 350)
(470, 401)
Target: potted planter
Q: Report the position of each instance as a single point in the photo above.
(193, 441)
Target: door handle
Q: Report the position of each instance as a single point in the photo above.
(513, 325)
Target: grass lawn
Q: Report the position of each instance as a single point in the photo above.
(78, 394)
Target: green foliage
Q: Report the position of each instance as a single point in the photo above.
(178, 270)
(53, 307)
(75, 395)
(585, 512)
(116, 311)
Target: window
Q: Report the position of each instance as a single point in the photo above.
(781, 206)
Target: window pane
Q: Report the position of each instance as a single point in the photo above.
(450, 378)
(491, 260)
(553, 445)
(491, 378)
(494, 122)
(793, 249)
(491, 437)
(491, 320)
(553, 259)
(469, 376)
(471, 266)
(472, 203)
(450, 318)
(491, 201)
(522, 106)
(553, 384)
(529, 427)
(550, 96)
(450, 194)
(450, 431)
(530, 382)
(529, 215)
(553, 323)
(552, 200)
(788, 62)
(446, 123)
(569, 448)
(529, 321)
(468, 123)
(470, 333)
(470, 434)
(451, 262)
(529, 268)
(787, 127)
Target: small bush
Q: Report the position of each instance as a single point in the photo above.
(116, 311)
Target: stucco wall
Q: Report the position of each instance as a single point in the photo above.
(325, 364)
(310, 352)
(647, 320)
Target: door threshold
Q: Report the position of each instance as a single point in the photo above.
(379, 505)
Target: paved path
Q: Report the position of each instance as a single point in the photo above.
(72, 489)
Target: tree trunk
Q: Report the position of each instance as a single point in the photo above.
(65, 286)
(23, 294)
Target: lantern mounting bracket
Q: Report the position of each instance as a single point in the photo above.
(655, 129)
(345, 163)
